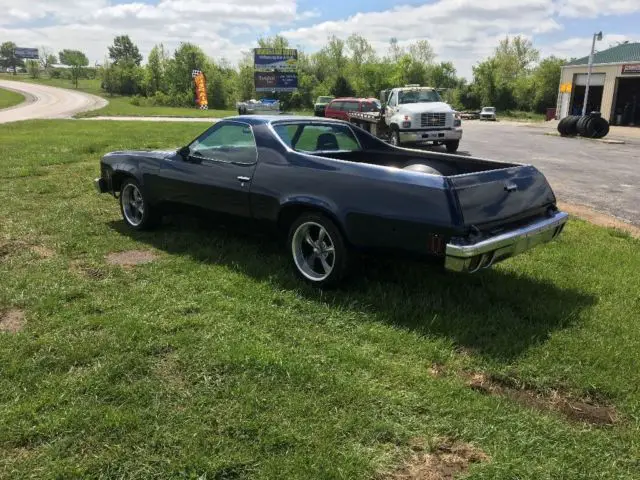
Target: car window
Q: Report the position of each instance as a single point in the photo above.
(418, 96)
(350, 106)
(317, 137)
(227, 143)
(392, 100)
(324, 99)
(335, 106)
(370, 107)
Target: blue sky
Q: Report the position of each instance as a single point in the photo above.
(461, 31)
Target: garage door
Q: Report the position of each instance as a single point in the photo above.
(597, 79)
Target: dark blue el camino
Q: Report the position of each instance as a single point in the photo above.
(334, 188)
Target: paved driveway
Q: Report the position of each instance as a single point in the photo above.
(603, 176)
(47, 102)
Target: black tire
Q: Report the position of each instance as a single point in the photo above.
(571, 126)
(452, 146)
(150, 216)
(600, 127)
(562, 126)
(394, 137)
(307, 257)
(581, 125)
(588, 128)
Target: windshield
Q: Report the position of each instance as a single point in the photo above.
(489, 109)
(324, 99)
(314, 137)
(418, 96)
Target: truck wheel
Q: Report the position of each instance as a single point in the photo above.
(395, 138)
(318, 250)
(452, 146)
(136, 210)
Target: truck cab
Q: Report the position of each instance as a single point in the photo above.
(417, 115)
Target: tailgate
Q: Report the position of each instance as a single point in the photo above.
(500, 194)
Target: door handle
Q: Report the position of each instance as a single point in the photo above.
(244, 179)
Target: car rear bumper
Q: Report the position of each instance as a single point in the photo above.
(420, 136)
(470, 258)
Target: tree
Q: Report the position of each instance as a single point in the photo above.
(124, 50)
(47, 59)
(277, 41)
(546, 78)
(422, 52)
(342, 88)
(76, 60)
(33, 68)
(395, 51)
(8, 58)
(155, 70)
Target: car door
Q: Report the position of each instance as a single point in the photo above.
(215, 170)
(333, 110)
(392, 105)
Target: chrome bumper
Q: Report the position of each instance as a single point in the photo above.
(473, 257)
(419, 136)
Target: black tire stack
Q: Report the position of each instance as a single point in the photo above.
(588, 126)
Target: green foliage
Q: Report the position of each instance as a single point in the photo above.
(8, 57)
(77, 60)
(33, 68)
(125, 51)
(342, 88)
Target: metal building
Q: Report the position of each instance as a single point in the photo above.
(614, 89)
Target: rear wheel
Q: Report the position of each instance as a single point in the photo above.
(452, 146)
(318, 250)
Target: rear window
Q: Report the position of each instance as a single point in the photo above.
(335, 105)
(312, 138)
(350, 106)
(370, 107)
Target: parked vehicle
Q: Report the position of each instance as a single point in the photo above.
(413, 115)
(340, 108)
(334, 189)
(321, 104)
(488, 113)
(264, 106)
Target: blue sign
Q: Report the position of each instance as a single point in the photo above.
(276, 81)
(26, 53)
(282, 59)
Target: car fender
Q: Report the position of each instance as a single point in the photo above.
(293, 205)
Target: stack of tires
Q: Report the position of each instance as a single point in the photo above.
(589, 126)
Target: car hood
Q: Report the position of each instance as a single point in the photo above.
(427, 107)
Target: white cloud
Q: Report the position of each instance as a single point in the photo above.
(595, 8)
(578, 47)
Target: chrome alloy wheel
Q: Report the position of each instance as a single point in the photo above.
(132, 204)
(313, 251)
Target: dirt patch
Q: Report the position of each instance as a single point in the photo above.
(168, 370)
(131, 258)
(600, 219)
(436, 370)
(42, 252)
(553, 400)
(445, 461)
(12, 321)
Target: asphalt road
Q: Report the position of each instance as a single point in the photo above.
(47, 102)
(602, 176)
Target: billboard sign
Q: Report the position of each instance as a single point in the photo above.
(631, 69)
(282, 59)
(26, 53)
(276, 81)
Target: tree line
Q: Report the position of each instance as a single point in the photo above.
(513, 77)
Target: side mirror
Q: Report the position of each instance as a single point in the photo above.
(184, 153)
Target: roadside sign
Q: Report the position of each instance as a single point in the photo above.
(26, 53)
(281, 59)
(276, 81)
(631, 69)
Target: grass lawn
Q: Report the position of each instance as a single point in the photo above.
(9, 98)
(214, 361)
(519, 116)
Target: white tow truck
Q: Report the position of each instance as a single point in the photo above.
(413, 115)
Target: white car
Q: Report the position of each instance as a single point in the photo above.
(488, 113)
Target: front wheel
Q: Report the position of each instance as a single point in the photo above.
(318, 250)
(452, 146)
(395, 138)
(136, 210)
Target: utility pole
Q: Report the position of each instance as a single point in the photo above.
(596, 36)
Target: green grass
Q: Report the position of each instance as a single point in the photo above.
(9, 98)
(520, 116)
(215, 362)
